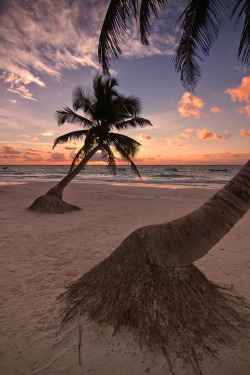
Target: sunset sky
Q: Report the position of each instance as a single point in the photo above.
(48, 47)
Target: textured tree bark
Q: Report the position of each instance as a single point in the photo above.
(58, 189)
(149, 284)
(185, 240)
(52, 201)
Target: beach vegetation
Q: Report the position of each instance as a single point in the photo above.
(104, 110)
(149, 283)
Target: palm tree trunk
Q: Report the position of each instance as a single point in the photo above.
(149, 283)
(58, 189)
(185, 240)
(52, 201)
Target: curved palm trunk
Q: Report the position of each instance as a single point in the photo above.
(52, 201)
(185, 240)
(149, 283)
(58, 189)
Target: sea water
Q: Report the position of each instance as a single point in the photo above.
(206, 176)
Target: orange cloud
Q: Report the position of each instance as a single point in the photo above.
(244, 110)
(190, 106)
(57, 156)
(145, 137)
(245, 133)
(226, 134)
(242, 92)
(9, 150)
(215, 110)
(206, 134)
(183, 137)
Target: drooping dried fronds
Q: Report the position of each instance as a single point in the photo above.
(175, 310)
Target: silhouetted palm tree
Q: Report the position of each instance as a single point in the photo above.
(149, 282)
(199, 26)
(105, 110)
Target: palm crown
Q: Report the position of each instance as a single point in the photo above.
(199, 26)
(105, 110)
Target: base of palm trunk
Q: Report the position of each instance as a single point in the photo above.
(50, 204)
(174, 310)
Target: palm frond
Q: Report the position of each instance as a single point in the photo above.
(244, 47)
(200, 25)
(125, 156)
(129, 145)
(133, 123)
(82, 100)
(89, 144)
(148, 6)
(132, 105)
(108, 155)
(69, 116)
(76, 158)
(114, 26)
(76, 135)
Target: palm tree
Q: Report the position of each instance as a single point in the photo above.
(149, 282)
(104, 110)
(199, 26)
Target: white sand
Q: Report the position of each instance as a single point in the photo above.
(41, 254)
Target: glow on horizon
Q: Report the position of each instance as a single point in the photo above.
(210, 126)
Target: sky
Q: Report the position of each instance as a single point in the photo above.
(48, 47)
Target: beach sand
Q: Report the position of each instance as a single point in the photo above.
(41, 254)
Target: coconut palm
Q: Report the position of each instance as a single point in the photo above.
(149, 282)
(199, 26)
(105, 110)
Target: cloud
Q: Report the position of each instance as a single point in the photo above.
(40, 45)
(241, 94)
(215, 110)
(183, 137)
(9, 150)
(188, 130)
(244, 110)
(145, 137)
(206, 134)
(241, 68)
(190, 106)
(226, 134)
(245, 133)
(47, 134)
(57, 156)
(70, 148)
(32, 150)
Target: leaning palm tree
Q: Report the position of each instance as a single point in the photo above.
(149, 283)
(104, 110)
(199, 27)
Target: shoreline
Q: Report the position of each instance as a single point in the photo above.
(42, 254)
(211, 186)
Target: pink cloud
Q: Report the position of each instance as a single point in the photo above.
(9, 150)
(145, 137)
(242, 92)
(190, 106)
(226, 134)
(245, 133)
(183, 137)
(189, 130)
(57, 156)
(215, 110)
(206, 134)
(244, 110)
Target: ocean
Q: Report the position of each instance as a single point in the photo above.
(205, 176)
